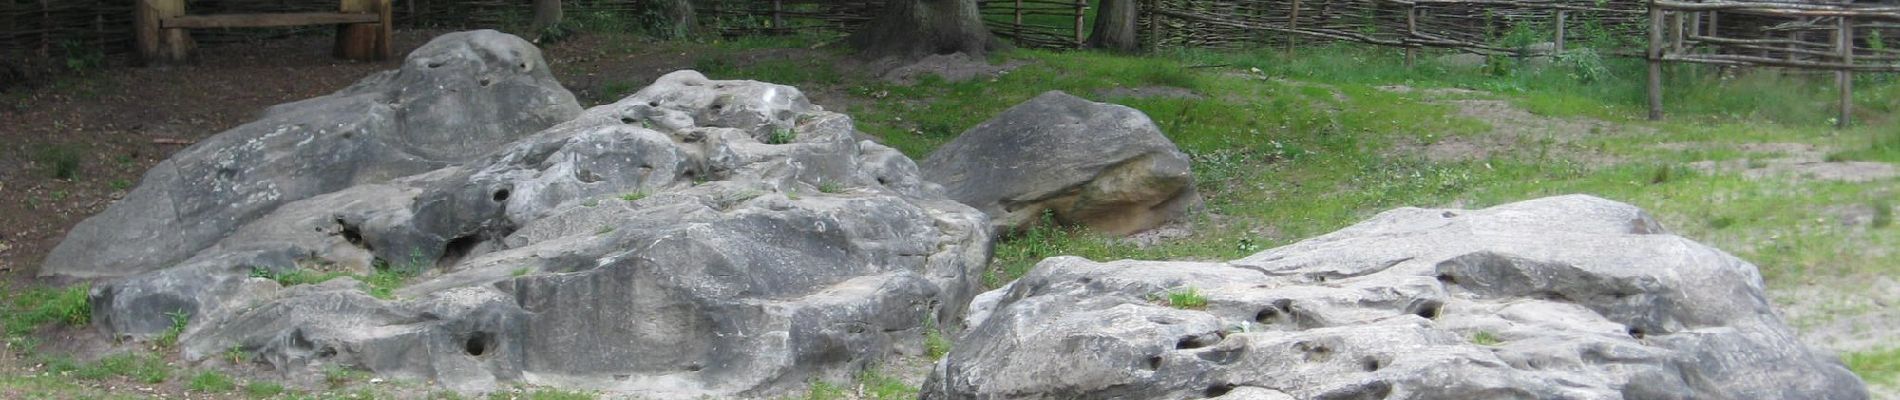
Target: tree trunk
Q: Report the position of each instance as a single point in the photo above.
(679, 19)
(917, 28)
(1115, 27)
(547, 14)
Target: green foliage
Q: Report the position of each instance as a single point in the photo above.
(520, 272)
(180, 319)
(634, 196)
(1878, 367)
(781, 135)
(296, 276)
(936, 345)
(1586, 65)
(1484, 338)
(141, 367)
(263, 389)
(210, 382)
(62, 161)
(821, 390)
(877, 385)
(383, 282)
(1187, 298)
(604, 229)
(236, 354)
(830, 187)
(81, 57)
(541, 394)
(338, 375)
(29, 310)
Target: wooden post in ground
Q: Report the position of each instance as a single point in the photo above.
(357, 41)
(1560, 31)
(1081, 9)
(1411, 32)
(778, 15)
(156, 44)
(385, 29)
(1675, 32)
(1293, 22)
(1655, 61)
(1019, 22)
(1845, 77)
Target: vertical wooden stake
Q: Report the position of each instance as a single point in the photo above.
(1845, 77)
(1293, 22)
(356, 41)
(1655, 61)
(158, 45)
(385, 30)
(1081, 9)
(1019, 22)
(1675, 29)
(778, 15)
(1560, 31)
(1411, 32)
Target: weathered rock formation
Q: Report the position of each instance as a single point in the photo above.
(699, 237)
(1570, 297)
(1096, 164)
(456, 98)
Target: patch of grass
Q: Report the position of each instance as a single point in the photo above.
(879, 386)
(338, 375)
(1484, 338)
(590, 203)
(830, 187)
(210, 382)
(29, 310)
(263, 389)
(1878, 367)
(236, 354)
(121, 184)
(141, 367)
(62, 161)
(296, 276)
(1187, 298)
(781, 136)
(542, 394)
(634, 196)
(383, 281)
(169, 339)
(604, 230)
(520, 272)
(821, 390)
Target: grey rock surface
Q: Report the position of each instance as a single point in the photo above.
(674, 244)
(1102, 165)
(1570, 297)
(456, 98)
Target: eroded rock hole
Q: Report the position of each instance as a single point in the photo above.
(694, 368)
(352, 235)
(1428, 308)
(478, 344)
(435, 64)
(1370, 364)
(628, 120)
(1268, 316)
(653, 104)
(1195, 342)
(1638, 333)
(501, 195)
(457, 249)
(1447, 279)
(1218, 390)
(1154, 362)
(485, 82)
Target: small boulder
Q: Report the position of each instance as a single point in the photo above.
(1570, 297)
(1101, 165)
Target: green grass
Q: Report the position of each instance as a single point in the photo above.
(61, 161)
(169, 338)
(1187, 298)
(338, 375)
(634, 196)
(296, 276)
(541, 394)
(27, 311)
(1483, 338)
(880, 386)
(263, 389)
(781, 136)
(830, 187)
(144, 368)
(1877, 367)
(210, 382)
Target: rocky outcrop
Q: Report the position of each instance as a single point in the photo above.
(699, 237)
(1096, 164)
(456, 98)
(1570, 297)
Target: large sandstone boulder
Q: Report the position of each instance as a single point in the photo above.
(1102, 165)
(699, 237)
(456, 98)
(1571, 297)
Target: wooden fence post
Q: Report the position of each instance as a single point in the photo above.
(1293, 22)
(356, 41)
(1655, 61)
(1081, 9)
(156, 44)
(1411, 32)
(1675, 30)
(778, 17)
(1019, 23)
(1845, 76)
(1560, 31)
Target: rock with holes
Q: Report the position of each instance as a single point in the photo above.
(700, 237)
(1570, 297)
(455, 99)
(1096, 164)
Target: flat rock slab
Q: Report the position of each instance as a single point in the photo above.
(1570, 297)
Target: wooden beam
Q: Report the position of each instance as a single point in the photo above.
(1845, 77)
(1654, 91)
(357, 41)
(266, 20)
